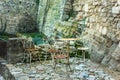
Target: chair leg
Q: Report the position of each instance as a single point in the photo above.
(23, 58)
(53, 60)
(54, 64)
(30, 55)
(68, 64)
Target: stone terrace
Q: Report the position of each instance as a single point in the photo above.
(44, 71)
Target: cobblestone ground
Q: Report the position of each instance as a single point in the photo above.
(44, 71)
(1, 77)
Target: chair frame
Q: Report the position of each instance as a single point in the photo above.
(58, 54)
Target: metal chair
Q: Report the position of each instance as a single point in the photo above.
(29, 50)
(44, 51)
(58, 51)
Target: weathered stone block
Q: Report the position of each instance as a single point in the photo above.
(14, 51)
(113, 64)
(106, 60)
(118, 67)
(77, 8)
(3, 48)
(96, 56)
(118, 1)
(4, 71)
(68, 7)
(16, 8)
(115, 10)
(116, 54)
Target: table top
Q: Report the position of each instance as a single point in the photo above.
(43, 44)
(83, 48)
(68, 39)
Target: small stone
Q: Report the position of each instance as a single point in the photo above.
(1, 78)
(91, 77)
(16, 71)
(21, 77)
(32, 76)
(115, 10)
(40, 67)
(111, 79)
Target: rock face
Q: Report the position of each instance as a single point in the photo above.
(27, 24)
(3, 48)
(50, 17)
(102, 30)
(14, 51)
(4, 71)
(13, 11)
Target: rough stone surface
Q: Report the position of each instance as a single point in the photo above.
(116, 54)
(45, 71)
(4, 71)
(51, 17)
(14, 51)
(13, 10)
(102, 32)
(3, 48)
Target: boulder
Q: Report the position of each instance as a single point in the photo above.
(116, 54)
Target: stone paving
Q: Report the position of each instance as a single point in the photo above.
(1, 77)
(44, 71)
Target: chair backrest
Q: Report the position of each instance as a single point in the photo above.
(61, 47)
(58, 45)
(27, 44)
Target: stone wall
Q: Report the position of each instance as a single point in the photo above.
(14, 51)
(14, 10)
(102, 29)
(3, 48)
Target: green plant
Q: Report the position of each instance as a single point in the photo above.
(38, 38)
(67, 29)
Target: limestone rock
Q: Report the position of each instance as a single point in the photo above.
(118, 67)
(115, 10)
(4, 71)
(118, 1)
(116, 54)
(113, 64)
(13, 10)
(105, 60)
(97, 57)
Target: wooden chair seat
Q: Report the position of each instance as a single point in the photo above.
(61, 56)
(53, 51)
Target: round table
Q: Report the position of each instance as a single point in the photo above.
(68, 39)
